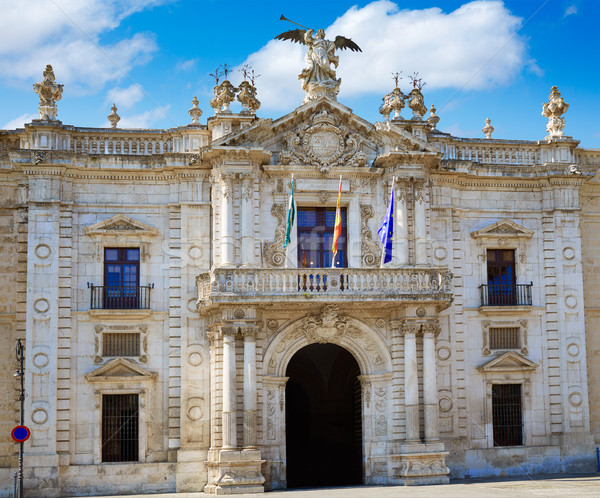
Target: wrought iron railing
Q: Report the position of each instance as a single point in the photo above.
(120, 297)
(506, 294)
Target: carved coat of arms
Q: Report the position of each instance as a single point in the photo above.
(325, 143)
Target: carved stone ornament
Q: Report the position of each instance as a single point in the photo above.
(224, 96)
(247, 97)
(553, 110)
(433, 118)
(50, 93)
(371, 251)
(324, 143)
(113, 117)
(488, 129)
(274, 251)
(393, 102)
(195, 112)
(326, 325)
(416, 104)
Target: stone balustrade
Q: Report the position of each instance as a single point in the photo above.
(492, 153)
(121, 144)
(341, 284)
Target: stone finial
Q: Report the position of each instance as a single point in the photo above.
(488, 129)
(247, 97)
(433, 118)
(113, 117)
(224, 96)
(417, 104)
(393, 101)
(553, 110)
(195, 112)
(50, 93)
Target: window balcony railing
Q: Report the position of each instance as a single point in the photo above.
(120, 297)
(506, 294)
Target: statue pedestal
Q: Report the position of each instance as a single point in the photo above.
(421, 463)
(234, 472)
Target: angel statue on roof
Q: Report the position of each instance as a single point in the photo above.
(318, 77)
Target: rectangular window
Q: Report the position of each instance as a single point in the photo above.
(315, 238)
(502, 289)
(507, 414)
(504, 338)
(121, 278)
(120, 344)
(120, 427)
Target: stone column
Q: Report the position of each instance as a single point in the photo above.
(226, 220)
(247, 215)
(401, 228)
(229, 391)
(411, 382)
(420, 224)
(430, 331)
(249, 334)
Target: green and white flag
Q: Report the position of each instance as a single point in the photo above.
(291, 215)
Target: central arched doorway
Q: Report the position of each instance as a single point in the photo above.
(323, 418)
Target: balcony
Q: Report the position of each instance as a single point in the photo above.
(104, 297)
(251, 285)
(506, 295)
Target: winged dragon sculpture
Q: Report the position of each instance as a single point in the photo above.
(318, 77)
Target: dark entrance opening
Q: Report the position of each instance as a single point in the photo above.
(323, 418)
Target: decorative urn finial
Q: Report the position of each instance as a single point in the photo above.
(488, 129)
(433, 118)
(50, 93)
(393, 101)
(113, 117)
(416, 102)
(195, 112)
(553, 110)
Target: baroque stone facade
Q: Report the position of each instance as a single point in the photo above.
(221, 308)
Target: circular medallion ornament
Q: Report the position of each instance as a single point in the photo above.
(323, 144)
(445, 404)
(440, 253)
(573, 349)
(41, 305)
(195, 358)
(568, 253)
(575, 399)
(380, 322)
(39, 416)
(42, 251)
(239, 313)
(443, 353)
(421, 312)
(195, 252)
(571, 301)
(194, 412)
(40, 360)
(272, 324)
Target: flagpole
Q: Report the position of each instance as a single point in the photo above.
(287, 246)
(383, 251)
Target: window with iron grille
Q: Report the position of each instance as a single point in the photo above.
(507, 414)
(120, 344)
(504, 338)
(120, 427)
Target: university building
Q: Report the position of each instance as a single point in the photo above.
(175, 342)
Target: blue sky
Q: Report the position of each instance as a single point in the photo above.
(479, 59)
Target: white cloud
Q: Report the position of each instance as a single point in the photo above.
(571, 10)
(20, 121)
(143, 120)
(67, 34)
(186, 65)
(124, 98)
(476, 46)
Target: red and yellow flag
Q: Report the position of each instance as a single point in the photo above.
(337, 228)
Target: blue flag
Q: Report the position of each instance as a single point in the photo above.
(386, 230)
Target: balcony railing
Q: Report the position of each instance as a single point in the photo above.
(105, 297)
(223, 284)
(506, 294)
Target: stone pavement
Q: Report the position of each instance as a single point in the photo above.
(561, 485)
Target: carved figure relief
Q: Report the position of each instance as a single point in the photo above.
(274, 252)
(323, 142)
(326, 325)
(371, 251)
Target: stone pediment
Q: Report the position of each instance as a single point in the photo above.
(504, 229)
(508, 362)
(120, 370)
(326, 134)
(121, 225)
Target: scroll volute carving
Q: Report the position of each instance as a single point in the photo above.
(274, 251)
